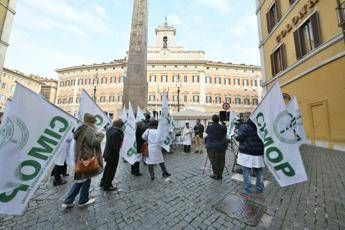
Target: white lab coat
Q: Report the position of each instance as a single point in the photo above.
(154, 147)
(187, 136)
(64, 151)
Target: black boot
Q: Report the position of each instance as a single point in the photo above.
(164, 170)
(151, 171)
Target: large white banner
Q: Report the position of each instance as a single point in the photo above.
(129, 146)
(88, 105)
(31, 135)
(140, 115)
(294, 121)
(232, 121)
(282, 154)
(164, 125)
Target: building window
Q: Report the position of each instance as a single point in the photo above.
(111, 98)
(185, 98)
(102, 99)
(227, 81)
(80, 81)
(112, 80)
(273, 15)
(218, 100)
(95, 81)
(196, 79)
(255, 83)
(185, 78)
(278, 60)
(64, 101)
(237, 101)
(59, 101)
(73, 82)
(3, 85)
(292, 1)
(245, 82)
(61, 84)
(119, 98)
(218, 80)
(208, 99)
(121, 79)
(176, 78)
(104, 80)
(196, 98)
(152, 98)
(175, 98)
(228, 99)
(164, 78)
(255, 101)
(68, 83)
(208, 80)
(153, 78)
(246, 101)
(237, 81)
(165, 42)
(78, 100)
(308, 36)
(88, 81)
(70, 100)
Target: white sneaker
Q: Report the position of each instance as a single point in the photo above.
(91, 201)
(65, 206)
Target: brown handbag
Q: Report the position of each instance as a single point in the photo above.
(90, 165)
(145, 149)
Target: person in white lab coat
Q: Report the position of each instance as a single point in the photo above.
(60, 168)
(187, 138)
(155, 155)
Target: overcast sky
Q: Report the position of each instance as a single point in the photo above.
(51, 34)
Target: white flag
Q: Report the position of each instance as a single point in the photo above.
(31, 136)
(124, 114)
(129, 146)
(140, 115)
(295, 122)
(232, 123)
(282, 154)
(88, 105)
(164, 125)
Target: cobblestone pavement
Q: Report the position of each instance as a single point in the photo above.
(188, 200)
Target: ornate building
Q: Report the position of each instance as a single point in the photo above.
(8, 79)
(191, 81)
(302, 46)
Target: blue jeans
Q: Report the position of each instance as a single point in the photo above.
(83, 188)
(246, 180)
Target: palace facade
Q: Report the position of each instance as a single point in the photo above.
(302, 45)
(191, 81)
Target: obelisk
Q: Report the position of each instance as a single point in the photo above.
(135, 84)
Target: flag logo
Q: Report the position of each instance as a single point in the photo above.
(286, 128)
(14, 132)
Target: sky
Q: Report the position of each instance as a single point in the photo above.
(51, 34)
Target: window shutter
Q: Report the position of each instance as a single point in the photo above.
(279, 13)
(283, 54)
(268, 18)
(273, 66)
(297, 44)
(315, 21)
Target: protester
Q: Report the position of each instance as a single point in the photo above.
(155, 155)
(199, 134)
(88, 145)
(135, 168)
(60, 168)
(111, 154)
(250, 156)
(187, 138)
(216, 145)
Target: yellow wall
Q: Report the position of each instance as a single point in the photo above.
(318, 78)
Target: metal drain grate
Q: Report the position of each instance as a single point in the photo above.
(241, 209)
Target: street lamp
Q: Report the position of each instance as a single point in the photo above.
(178, 85)
(95, 84)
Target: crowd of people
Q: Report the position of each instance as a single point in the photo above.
(89, 159)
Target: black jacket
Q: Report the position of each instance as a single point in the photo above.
(250, 143)
(199, 130)
(113, 144)
(216, 137)
(138, 133)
